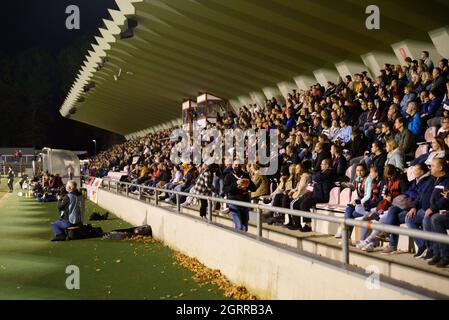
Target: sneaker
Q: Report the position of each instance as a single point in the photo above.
(185, 204)
(420, 253)
(443, 263)
(338, 234)
(434, 260)
(389, 250)
(293, 227)
(306, 228)
(383, 236)
(428, 256)
(225, 211)
(360, 244)
(369, 247)
(58, 238)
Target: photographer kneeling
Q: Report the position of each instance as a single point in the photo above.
(71, 208)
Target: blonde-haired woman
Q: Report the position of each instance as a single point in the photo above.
(302, 174)
(395, 155)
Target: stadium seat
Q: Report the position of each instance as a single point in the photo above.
(334, 200)
(349, 172)
(422, 149)
(410, 174)
(353, 196)
(430, 133)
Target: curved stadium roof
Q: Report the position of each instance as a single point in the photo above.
(152, 54)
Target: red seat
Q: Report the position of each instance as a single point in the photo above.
(350, 171)
(345, 196)
(430, 133)
(422, 149)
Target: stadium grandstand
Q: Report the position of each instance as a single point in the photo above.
(358, 204)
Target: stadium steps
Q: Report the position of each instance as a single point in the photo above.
(401, 266)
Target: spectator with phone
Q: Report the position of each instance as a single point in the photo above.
(237, 186)
(420, 218)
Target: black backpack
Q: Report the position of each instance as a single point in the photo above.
(84, 232)
(98, 217)
(121, 234)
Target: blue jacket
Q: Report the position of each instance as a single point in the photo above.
(414, 125)
(432, 107)
(290, 124)
(418, 187)
(437, 201)
(423, 200)
(411, 96)
(324, 182)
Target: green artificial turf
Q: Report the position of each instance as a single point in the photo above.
(32, 267)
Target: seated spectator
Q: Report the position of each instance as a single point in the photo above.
(260, 182)
(432, 109)
(416, 197)
(396, 183)
(177, 174)
(334, 130)
(339, 163)
(370, 121)
(440, 224)
(409, 96)
(279, 198)
(356, 146)
(71, 209)
(414, 120)
(420, 217)
(439, 150)
(362, 187)
(385, 133)
(404, 138)
(322, 183)
(371, 193)
(302, 178)
(426, 83)
(443, 131)
(344, 134)
(438, 84)
(395, 155)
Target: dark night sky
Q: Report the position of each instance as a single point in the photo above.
(39, 25)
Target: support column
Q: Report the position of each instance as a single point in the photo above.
(346, 67)
(286, 87)
(305, 82)
(440, 39)
(412, 49)
(325, 75)
(258, 98)
(245, 100)
(235, 103)
(375, 61)
(271, 92)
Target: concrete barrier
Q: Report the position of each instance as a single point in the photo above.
(266, 270)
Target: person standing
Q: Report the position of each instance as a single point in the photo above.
(70, 172)
(204, 187)
(237, 186)
(10, 179)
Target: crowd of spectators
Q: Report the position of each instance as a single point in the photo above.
(386, 138)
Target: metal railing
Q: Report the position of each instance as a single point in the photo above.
(259, 208)
(24, 159)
